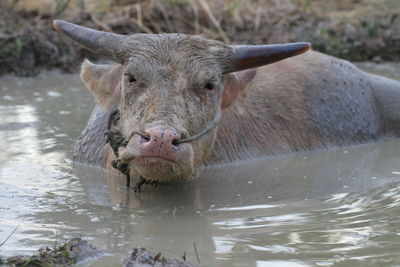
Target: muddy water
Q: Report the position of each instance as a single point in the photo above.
(339, 207)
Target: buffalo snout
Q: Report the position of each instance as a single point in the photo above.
(161, 142)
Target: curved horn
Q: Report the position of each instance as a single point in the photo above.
(101, 43)
(252, 56)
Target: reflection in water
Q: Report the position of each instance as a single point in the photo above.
(307, 209)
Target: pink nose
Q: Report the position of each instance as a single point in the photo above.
(160, 144)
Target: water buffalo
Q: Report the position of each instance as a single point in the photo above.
(186, 101)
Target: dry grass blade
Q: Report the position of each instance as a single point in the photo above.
(139, 15)
(195, 251)
(102, 25)
(61, 7)
(147, 14)
(164, 13)
(196, 16)
(257, 19)
(214, 21)
(139, 20)
(8, 237)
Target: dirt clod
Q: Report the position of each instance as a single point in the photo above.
(143, 258)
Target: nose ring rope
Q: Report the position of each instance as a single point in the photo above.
(115, 139)
(214, 123)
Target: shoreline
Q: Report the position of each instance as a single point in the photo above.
(354, 31)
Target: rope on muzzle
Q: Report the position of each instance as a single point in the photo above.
(214, 123)
(116, 140)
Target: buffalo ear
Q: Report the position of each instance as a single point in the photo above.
(234, 84)
(103, 81)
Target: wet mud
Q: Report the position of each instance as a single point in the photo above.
(78, 251)
(75, 251)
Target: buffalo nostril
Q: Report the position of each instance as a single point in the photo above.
(175, 142)
(145, 138)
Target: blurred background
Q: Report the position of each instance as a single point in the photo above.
(357, 30)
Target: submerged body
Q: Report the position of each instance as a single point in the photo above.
(305, 102)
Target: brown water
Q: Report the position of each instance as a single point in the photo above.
(332, 207)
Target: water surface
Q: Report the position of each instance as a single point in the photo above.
(330, 207)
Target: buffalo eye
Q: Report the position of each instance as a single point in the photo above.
(210, 86)
(130, 78)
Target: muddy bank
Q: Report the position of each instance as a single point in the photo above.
(354, 30)
(68, 254)
(78, 251)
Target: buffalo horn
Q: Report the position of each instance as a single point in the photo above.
(253, 56)
(101, 43)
